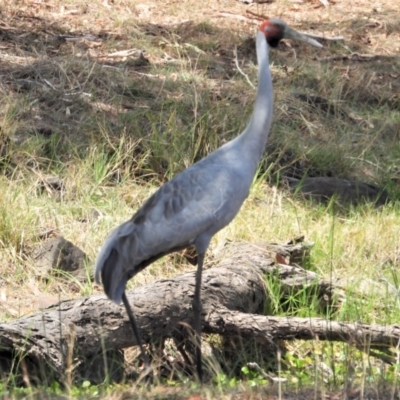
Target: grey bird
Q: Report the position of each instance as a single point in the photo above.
(197, 203)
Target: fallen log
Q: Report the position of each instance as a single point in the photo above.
(83, 338)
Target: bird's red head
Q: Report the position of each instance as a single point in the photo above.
(274, 31)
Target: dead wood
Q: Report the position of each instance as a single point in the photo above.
(267, 329)
(84, 337)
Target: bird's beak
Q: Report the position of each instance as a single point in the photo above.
(290, 33)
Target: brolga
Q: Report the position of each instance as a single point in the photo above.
(192, 207)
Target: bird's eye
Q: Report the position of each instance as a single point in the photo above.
(271, 30)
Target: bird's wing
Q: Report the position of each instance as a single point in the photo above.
(199, 201)
(182, 209)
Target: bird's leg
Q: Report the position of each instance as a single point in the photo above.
(197, 315)
(136, 332)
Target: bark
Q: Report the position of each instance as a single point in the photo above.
(84, 337)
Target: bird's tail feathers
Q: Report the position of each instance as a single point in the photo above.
(113, 261)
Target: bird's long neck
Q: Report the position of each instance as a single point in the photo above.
(254, 137)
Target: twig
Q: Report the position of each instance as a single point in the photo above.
(89, 38)
(119, 69)
(255, 367)
(235, 16)
(323, 37)
(41, 3)
(195, 48)
(151, 76)
(256, 1)
(239, 69)
(260, 17)
(126, 53)
(50, 85)
(183, 22)
(65, 13)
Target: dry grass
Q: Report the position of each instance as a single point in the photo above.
(113, 126)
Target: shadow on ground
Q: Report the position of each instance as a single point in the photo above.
(178, 95)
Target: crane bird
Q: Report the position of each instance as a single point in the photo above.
(192, 207)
